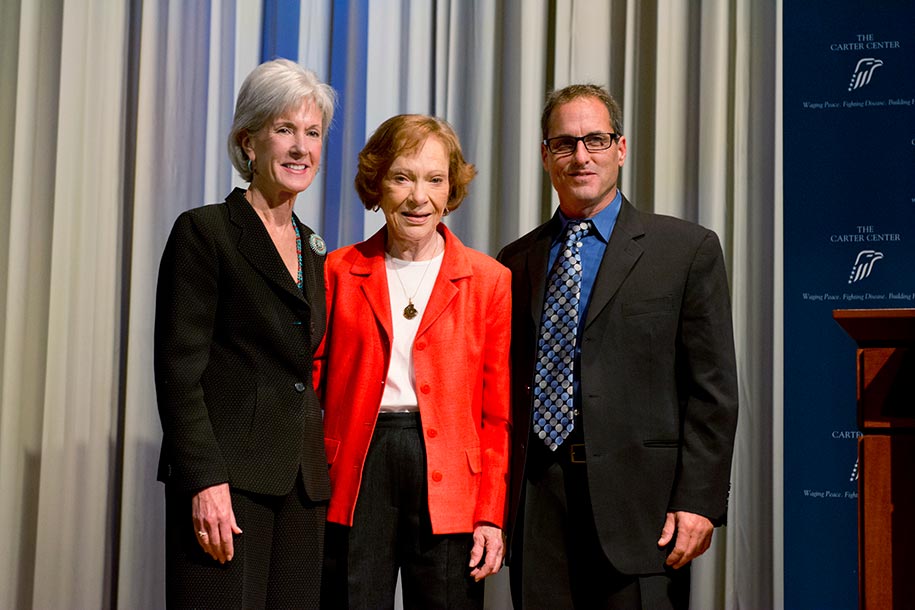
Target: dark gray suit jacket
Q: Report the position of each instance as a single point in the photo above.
(658, 378)
(234, 340)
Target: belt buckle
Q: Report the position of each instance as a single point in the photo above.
(577, 453)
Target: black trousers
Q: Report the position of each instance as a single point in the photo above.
(277, 561)
(558, 561)
(392, 531)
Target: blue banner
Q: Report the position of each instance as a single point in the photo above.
(348, 70)
(849, 243)
(280, 36)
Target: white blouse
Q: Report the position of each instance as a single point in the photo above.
(408, 281)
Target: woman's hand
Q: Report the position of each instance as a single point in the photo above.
(488, 549)
(214, 521)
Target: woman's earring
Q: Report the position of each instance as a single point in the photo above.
(250, 171)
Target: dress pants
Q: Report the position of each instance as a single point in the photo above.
(392, 530)
(277, 560)
(557, 559)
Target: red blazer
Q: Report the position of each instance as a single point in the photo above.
(461, 360)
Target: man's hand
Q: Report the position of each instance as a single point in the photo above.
(214, 521)
(487, 551)
(694, 535)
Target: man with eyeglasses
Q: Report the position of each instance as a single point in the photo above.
(624, 382)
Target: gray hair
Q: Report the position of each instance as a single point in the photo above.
(272, 88)
(572, 92)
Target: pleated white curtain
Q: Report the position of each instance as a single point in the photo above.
(62, 300)
(184, 73)
(113, 117)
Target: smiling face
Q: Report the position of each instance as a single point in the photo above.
(414, 193)
(286, 152)
(585, 181)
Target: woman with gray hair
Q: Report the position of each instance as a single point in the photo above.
(240, 308)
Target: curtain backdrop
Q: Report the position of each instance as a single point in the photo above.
(113, 120)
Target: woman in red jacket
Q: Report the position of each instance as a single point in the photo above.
(414, 380)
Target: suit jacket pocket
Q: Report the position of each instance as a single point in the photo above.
(646, 307)
(661, 443)
(331, 445)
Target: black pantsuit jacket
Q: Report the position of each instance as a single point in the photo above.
(658, 378)
(234, 340)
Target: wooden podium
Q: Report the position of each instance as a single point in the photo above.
(886, 454)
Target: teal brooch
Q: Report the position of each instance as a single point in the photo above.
(317, 244)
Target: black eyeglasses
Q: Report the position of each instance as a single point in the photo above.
(566, 145)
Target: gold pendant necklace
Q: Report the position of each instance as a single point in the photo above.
(410, 311)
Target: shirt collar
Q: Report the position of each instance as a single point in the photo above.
(603, 221)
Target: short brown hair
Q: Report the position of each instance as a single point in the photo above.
(405, 134)
(572, 92)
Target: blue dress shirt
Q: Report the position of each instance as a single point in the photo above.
(593, 246)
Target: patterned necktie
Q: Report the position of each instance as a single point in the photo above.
(558, 335)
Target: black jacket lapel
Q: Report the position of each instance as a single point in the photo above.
(255, 245)
(621, 255)
(537, 260)
(314, 253)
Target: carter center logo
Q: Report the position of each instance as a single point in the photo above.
(863, 73)
(864, 264)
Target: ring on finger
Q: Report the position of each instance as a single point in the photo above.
(201, 533)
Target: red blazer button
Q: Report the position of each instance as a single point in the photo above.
(425, 389)
(421, 346)
(436, 476)
(432, 432)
